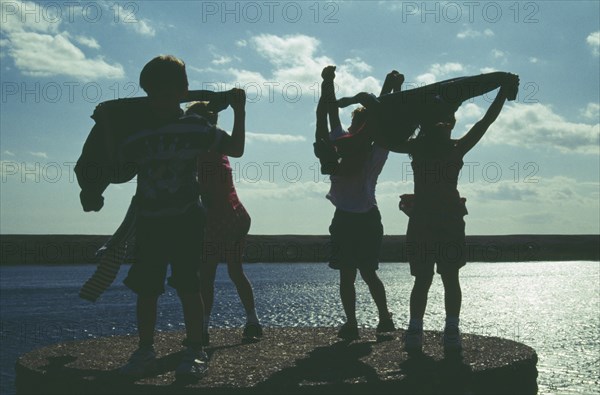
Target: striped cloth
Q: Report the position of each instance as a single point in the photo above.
(112, 254)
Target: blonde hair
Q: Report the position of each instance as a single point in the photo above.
(359, 116)
(201, 108)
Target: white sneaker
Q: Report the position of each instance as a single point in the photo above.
(141, 363)
(413, 340)
(451, 339)
(193, 365)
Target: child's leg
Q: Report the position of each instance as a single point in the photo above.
(377, 292)
(146, 318)
(452, 293)
(452, 299)
(208, 271)
(348, 293)
(143, 360)
(234, 254)
(418, 296)
(193, 315)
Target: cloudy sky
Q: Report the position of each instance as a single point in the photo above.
(536, 170)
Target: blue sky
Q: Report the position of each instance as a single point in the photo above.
(536, 170)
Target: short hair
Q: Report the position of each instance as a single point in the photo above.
(162, 74)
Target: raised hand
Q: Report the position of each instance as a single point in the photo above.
(395, 79)
(328, 73)
(398, 80)
(511, 86)
(237, 99)
(392, 83)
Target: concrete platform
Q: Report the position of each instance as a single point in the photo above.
(287, 360)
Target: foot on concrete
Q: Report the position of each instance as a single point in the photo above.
(141, 363)
(252, 332)
(386, 324)
(348, 331)
(193, 365)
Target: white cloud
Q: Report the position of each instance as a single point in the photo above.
(286, 50)
(241, 43)
(128, 18)
(88, 42)
(358, 64)
(534, 189)
(39, 154)
(446, 68)
(18, 16)
(38, 48)
(593, 40)
(9, 153)
(244, 77)
(537, 125)
(274, 138)
(427, 78)
(294, 60)
(297, 191)
(470, 33)
(487, 69)
(504, 190)
(469, 111)
(143, 27)
(438, 70)
(496, 53)
(219, 60)
(533, 59)
(591, 112)
(488, 32)
(47, 55)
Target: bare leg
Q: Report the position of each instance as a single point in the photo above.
(348, 294)
(146, 318)
(208, 272)
(452, 293)
(193, 312)
(377, 292)
(418, 296)
(238, 277)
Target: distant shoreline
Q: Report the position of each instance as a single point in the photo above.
(80, 249)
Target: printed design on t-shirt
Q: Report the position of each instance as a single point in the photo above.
(167, 169)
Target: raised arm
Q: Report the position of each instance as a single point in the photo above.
(323, 147)
(322, 131)
(392, 83)
(328, 97)
(234, 147)
(363, 98)
(473, 136)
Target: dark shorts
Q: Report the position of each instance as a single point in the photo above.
(356, 240)
(435, 239)
(161, 241)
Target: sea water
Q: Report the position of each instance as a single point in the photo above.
(553, 307)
